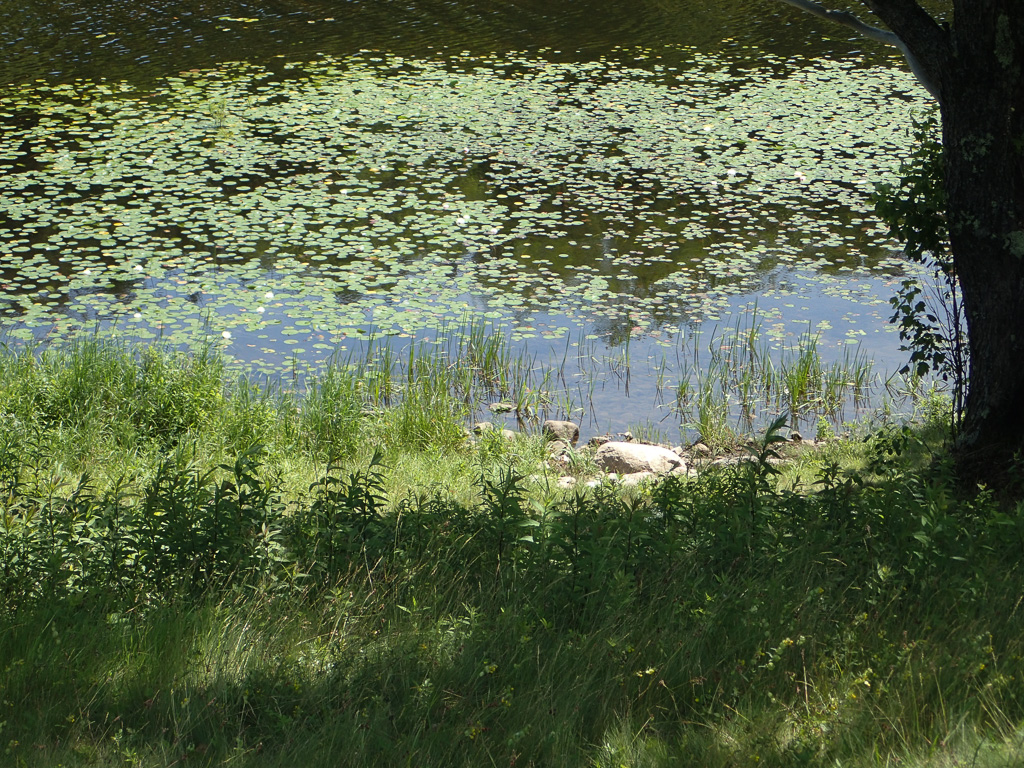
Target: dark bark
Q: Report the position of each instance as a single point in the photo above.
(928, 42)
(982, 87)
(976, 65)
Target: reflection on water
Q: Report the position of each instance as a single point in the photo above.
(654, 239)
(68, 39)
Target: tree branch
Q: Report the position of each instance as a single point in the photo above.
(921, 72)
(929, 42)
(847, 20)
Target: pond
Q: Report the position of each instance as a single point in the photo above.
(616, 192)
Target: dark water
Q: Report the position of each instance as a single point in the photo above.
(143, 41)
(137, 41)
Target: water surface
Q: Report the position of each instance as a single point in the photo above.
(286, 179)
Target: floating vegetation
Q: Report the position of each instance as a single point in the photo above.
(287, 216)
(376, 190)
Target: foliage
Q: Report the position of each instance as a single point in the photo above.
(915, 211)
(205, 603)
(716, 618)
(340, 524)
(137, 393)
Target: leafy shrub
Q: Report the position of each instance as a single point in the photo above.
(933, 328)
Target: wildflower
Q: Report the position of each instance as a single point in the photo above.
(226, 334)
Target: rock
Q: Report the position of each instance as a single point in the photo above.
(699, 449)
(561, 430)
(598, 440)
(486, 426)
(729, 461)
(734, 461)
(796, 437)
(678, 450)
(635, 478)
(566, 482)
(557, 447)
(629, 458)
(501, 407)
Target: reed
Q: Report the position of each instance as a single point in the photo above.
(738, 380)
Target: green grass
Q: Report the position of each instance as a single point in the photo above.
(738, 380)
(345, 595)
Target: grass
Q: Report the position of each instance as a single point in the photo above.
(737, 380)
(342, 594)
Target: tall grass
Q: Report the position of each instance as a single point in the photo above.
(737, 380)
(202, 616)
(144, 393)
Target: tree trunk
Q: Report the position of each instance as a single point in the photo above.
(983, 136)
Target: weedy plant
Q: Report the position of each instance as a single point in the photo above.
(195, 611)
(931, 321)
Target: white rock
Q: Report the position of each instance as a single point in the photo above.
(630, 458)
(635, 478)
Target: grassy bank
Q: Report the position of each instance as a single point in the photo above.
(200, 571)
